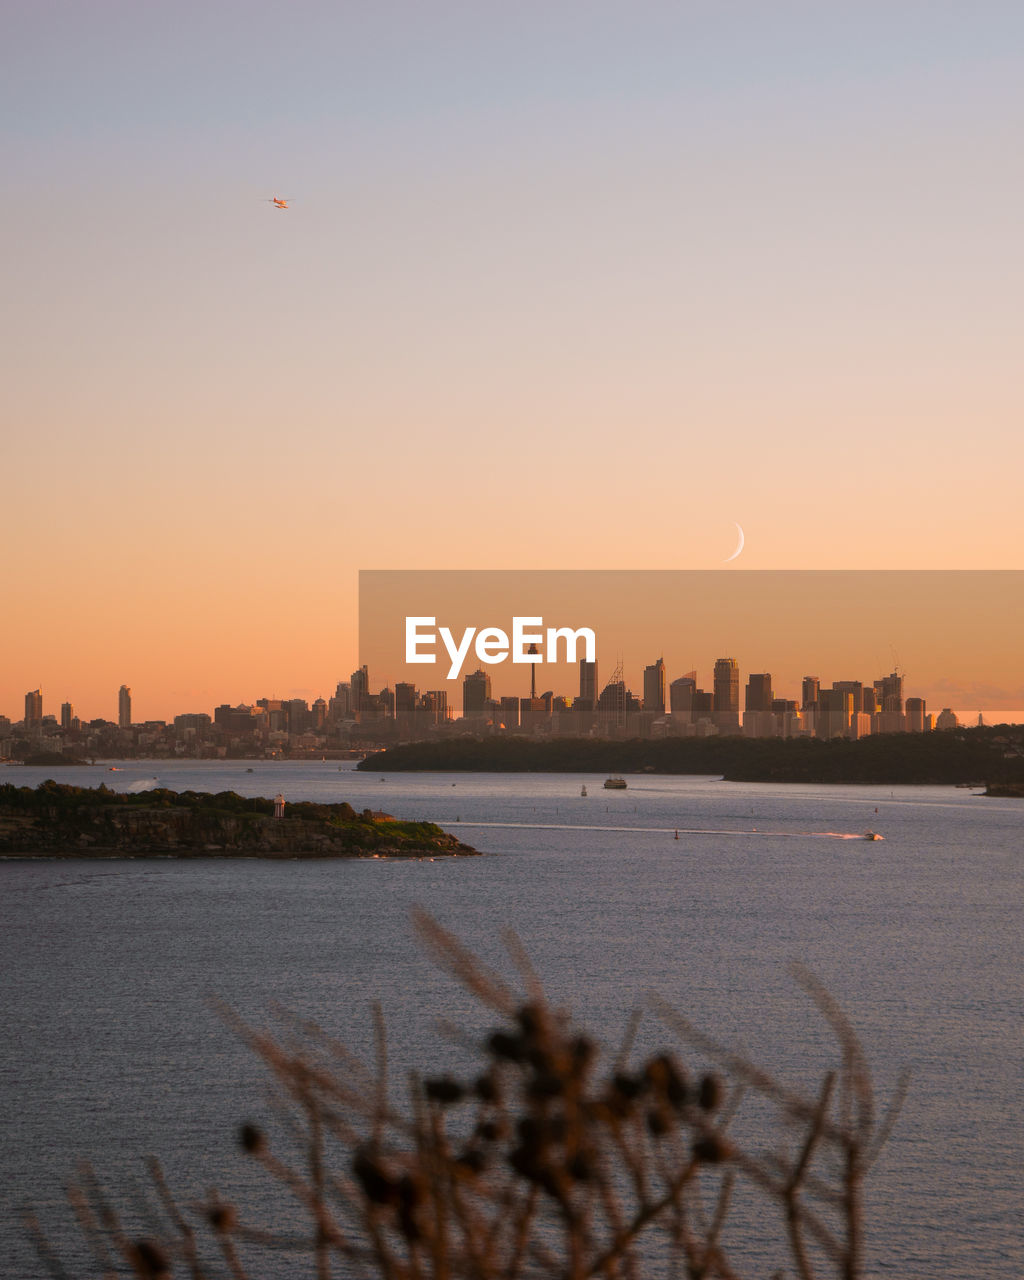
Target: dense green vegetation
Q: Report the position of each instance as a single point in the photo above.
(975, 756)
(55, 817)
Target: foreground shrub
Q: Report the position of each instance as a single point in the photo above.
(548, 1159)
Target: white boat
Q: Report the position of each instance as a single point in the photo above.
(615, 784)
(583, 790)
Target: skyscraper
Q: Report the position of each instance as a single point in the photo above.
(33, 708)
(360, 689)
(405, 700)
(654, 687)
(476, 693)
(809, 691)
(124, 707)
(889, 700)
(298, 715)
(727, 695)
(588, 683)
(758, 695)
(890, 692)
(67, 714)
(611, 705)
(680, 693)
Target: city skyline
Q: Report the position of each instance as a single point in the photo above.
(725, 704)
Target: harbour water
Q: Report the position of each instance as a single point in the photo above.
(111, 1049)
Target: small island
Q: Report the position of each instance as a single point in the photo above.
(58, 821)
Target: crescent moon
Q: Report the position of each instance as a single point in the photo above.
(739, 547)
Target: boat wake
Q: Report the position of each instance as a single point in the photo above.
(683, 831)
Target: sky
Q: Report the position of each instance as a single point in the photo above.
(561, 285)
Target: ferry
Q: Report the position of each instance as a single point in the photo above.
(615, 784)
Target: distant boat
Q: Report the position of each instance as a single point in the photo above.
(583, 790)
(615, 784)
(873, 835)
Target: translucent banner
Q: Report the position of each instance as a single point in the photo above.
(954, 638)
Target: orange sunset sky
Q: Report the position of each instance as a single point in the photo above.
(561, 285)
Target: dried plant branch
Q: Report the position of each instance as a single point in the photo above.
(553, 1160)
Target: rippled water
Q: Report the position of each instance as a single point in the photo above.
(110, 1049)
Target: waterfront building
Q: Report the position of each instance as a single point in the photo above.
(124, 707)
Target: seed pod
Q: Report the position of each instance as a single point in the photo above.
(150, 1261)
(444, 1090)
(222, 1217)
(628, 1087)
(486, 1088)
(503, 1045)
(252, 1139)
(378, 1186)
(711, 1149)
(669, 1080)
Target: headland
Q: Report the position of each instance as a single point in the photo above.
(58, 821)
(971, 757)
